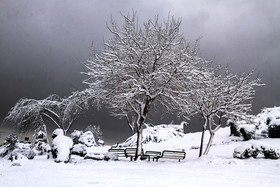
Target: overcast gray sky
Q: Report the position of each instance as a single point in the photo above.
(43, 42)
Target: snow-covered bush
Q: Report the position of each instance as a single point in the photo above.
(79, 149)
(97, 133)
(61, 147)
(80, 137)
(156, 134)
(274, 129)
(11, 139)
(242, 128)
(245, 151)
(253, 149)
(234, 130)
(248, 131)
(268, 122)
(87, 138)
(12, 149)
(41, 145)
(76, 136)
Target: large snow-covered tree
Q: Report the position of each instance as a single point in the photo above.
(30, 113)
(141, 66)
(216, 97)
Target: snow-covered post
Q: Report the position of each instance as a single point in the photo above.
(143, 66)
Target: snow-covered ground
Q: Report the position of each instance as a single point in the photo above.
(219, 168)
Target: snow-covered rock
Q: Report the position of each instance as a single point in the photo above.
(157, 134)
(61, 147)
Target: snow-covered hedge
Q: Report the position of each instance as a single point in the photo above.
(156, 134)
(254, 149)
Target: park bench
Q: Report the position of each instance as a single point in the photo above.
(151, 155)
(166, 154)
(118, 152)
(131, 152)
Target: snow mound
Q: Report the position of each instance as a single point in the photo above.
(156, 134)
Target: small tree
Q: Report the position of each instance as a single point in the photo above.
(31, 113)
(216, 97)
(143, 66)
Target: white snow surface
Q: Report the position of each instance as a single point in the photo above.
(219, 168)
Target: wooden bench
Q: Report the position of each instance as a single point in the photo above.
(166, 154)
(118, 152)
(131, 152)
(151, 154)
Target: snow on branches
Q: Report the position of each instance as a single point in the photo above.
(30, 113)
(142, 66)
(216, 97)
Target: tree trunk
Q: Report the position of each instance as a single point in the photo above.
(202, 138)
(209, 144)
(139, 144)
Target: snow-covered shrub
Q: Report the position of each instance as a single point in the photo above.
(97, 133)
(234, 130)
(87, 138)
(267, 121)
(12, 149)
(248, 131)
(79, 149)
(11, 139)
(41, 145)
(274, 129)
(253, 149)
(245, 151)
(271, 152)
(242, 128)
(76, 136)
(61, 147)
(156, 134)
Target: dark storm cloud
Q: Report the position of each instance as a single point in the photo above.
(42, 43)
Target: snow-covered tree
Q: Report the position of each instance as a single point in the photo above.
(143, 66)
(30, 113)
(216, 97)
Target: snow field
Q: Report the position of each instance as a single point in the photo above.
(219, 168)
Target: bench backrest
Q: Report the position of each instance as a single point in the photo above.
(173, 154)
(119, 152)
(153, 153)
(130, 152)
